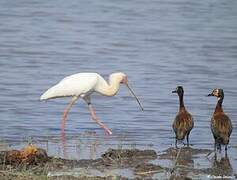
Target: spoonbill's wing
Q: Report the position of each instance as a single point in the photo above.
(74, 85)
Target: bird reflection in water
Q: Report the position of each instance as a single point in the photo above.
(92, 144)
(183, 162)
(222, 167)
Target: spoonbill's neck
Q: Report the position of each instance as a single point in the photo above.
(111, 88)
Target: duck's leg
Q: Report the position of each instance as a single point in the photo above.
(215, 145)
(176, 143)
(74, 99)
(188, 139)
(219, 147)
(226, 148)
(226, 155)
(215, 156)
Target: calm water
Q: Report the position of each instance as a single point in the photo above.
(159, 45)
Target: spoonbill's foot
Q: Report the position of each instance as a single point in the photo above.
(108, 132)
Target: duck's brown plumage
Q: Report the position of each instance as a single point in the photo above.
(221, 125)
(221, 128)
(183, 122)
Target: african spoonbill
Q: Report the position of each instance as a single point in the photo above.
(82, 85)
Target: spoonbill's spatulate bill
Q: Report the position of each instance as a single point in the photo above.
(82, 85)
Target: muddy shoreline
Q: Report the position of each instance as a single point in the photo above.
(114, 163)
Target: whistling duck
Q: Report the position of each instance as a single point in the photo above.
(183, 122)
(221, 126)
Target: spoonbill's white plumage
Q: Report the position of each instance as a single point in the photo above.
(82, 85)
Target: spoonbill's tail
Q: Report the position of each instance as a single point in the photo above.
(51, 93)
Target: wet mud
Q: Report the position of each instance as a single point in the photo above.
(34, 163)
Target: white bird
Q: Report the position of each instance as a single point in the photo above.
(82, 85)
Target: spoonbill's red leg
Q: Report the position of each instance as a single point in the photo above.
(94, 117)
(64, 119)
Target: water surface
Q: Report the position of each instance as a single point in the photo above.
(159, 45)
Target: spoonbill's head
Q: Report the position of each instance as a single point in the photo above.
(120, 77)
(179, 90)
(219, 93)
(123, 79)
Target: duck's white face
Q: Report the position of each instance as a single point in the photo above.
(219, 93)
(215, 92)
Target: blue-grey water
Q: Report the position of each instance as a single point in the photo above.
(159, 44)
